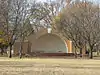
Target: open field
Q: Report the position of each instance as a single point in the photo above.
(49, 66)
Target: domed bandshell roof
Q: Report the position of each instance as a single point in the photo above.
(42, 38)
(50, 43)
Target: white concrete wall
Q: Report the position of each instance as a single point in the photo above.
(49, 43)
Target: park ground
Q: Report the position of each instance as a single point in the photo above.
(49, 66)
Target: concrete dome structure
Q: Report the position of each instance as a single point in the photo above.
(43, 43)
(49, 44)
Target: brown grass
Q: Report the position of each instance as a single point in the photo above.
(49, 66)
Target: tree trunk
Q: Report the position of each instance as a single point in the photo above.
(80, 52)
(91, 53)
(20, 51)
(2, 51)
(75, 53)
(98, 53)
(10, 54)
(21, 47)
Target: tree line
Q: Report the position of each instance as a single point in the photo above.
(80, 22)
(21, 18)
(77, 20)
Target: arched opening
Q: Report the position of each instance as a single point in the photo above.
(50, 44)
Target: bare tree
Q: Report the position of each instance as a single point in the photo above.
(14, 21)
(42, 14)
(4, 23)
(80, 23)
(19, 21)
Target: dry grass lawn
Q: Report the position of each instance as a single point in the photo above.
(49, 66)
